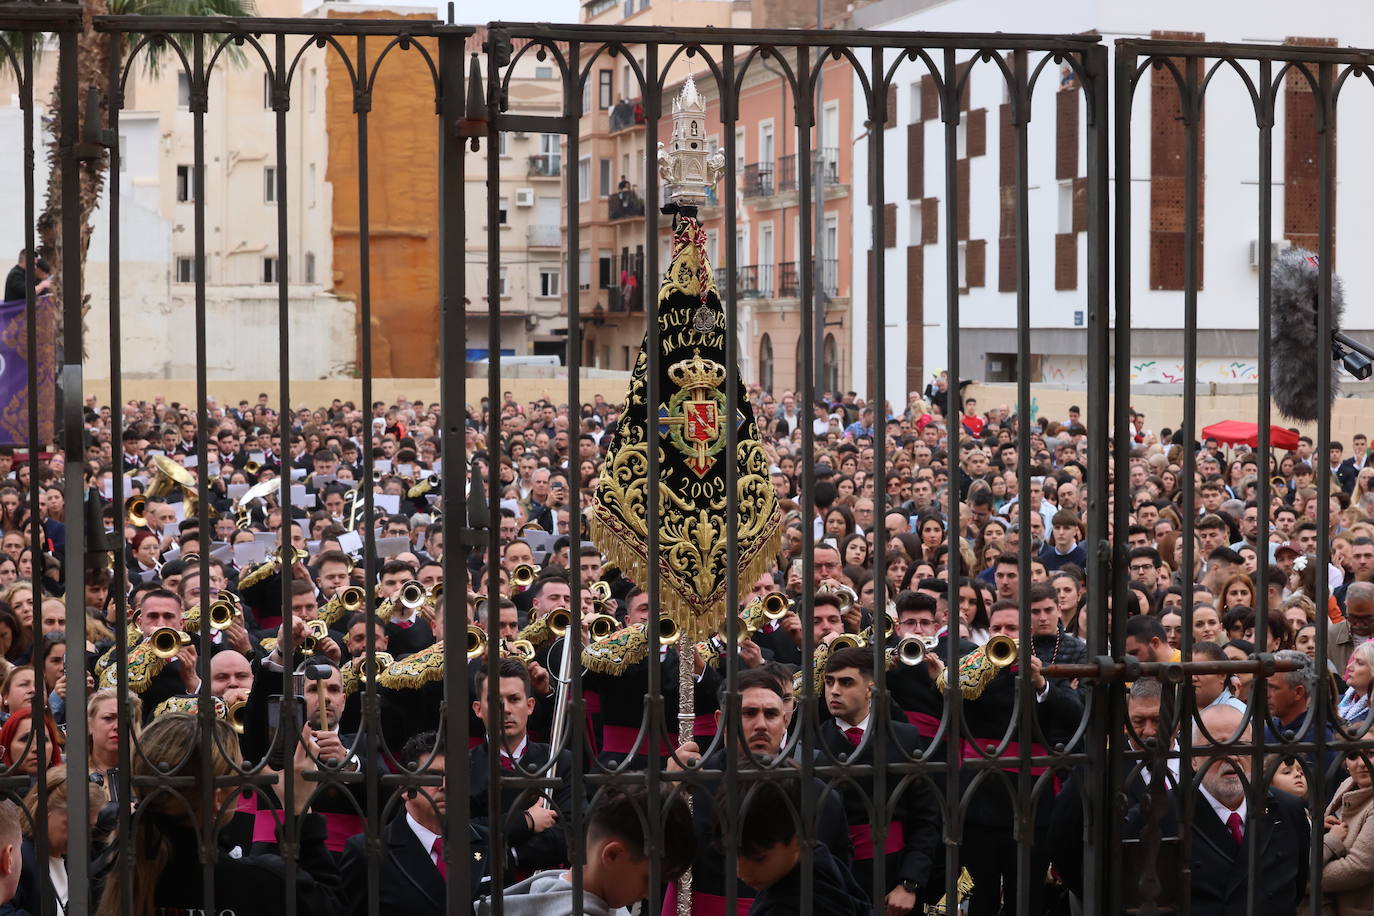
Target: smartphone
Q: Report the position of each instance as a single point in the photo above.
(276, 755)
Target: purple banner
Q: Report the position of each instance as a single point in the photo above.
(15, 394)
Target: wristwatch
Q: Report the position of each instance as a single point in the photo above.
(911, 887)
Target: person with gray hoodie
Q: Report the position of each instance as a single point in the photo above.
(617, 871)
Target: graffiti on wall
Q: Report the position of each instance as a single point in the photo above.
(1073, 370)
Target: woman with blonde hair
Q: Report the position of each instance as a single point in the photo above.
(167, 874)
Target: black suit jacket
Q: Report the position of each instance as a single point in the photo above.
(916, 810)
(408, 880)
(532, 851)
(25, 901)
(1218, 867)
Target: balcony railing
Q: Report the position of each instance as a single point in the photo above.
(626, 113)
(747, 280)
(545, 165)
(829, 159)
(544, 236)
(789, 283)
(626, 202)
(757, 180)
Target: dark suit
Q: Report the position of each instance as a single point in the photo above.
(1218, 867)
(917, 812)
(27, 895)
(408, 881)
(531, 851)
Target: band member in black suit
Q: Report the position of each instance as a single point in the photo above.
(912, 844)
(988, 825)
(413, 875)
(1218, 855)
(765, 703)
(533, 825)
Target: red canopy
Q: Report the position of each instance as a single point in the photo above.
(1237, 431)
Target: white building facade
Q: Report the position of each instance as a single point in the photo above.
(915, 274)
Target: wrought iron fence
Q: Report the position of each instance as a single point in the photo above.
(1013, 772)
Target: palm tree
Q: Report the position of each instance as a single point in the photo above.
(93, 50)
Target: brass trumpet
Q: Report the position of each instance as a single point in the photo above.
(559, 619)
(522, 577)
(1000, 651)
(412, 595)
(776, 605)
(315, 632)
(168, 641)
(848, 641)
(477, 641)
(222, 614)
(521, 649)
(602, 625)
(383, 662)
(237, 716)
(352, 598)
(136, 511)
(668, 631)
(478, 602)
(910, 650)
(602, 590)
(251, 467)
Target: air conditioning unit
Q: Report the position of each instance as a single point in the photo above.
(524, 197)
(1274, 248)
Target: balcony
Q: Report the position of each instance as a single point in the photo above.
(747, 280)
(628, 294)
(829, 160)
(789, 283)
(626, 203)
(626, 113)
(757, 180)
(546, 165)
(544, 236)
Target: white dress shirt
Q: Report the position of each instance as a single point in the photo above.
(425, 836)
(1224, 813)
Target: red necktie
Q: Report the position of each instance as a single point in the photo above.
(438, 850)
(507, 764)
(854, 734)
(1234, 823)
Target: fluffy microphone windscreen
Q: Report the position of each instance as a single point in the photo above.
(1297, 355)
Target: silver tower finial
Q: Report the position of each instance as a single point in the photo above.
(685, 163)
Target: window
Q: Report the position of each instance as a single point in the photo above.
(584, 178)
(1066, 206)
(310, 185)
(606, 269)
(586, 96)
(766, 363)
(502, 283)
(123, 149)
(185, 188)
(314, 88)
(267, 91)
(626, 81)
(271, 270)
(916, 235)
(269, 184)
(183, 91)
(543, 73)
(605, 178)
(502, 209)
(503, 144)
(963, 265)
(915, 101)
(310, 267)
(584, 269)
(185, 269)
(551, 149)
(603, 93)
(548, 282)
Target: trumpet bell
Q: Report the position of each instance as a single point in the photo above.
(522, 649)
(602, 590)
(668, 631)
(603, 625)
(477, 641)
(846, 641)
(251, 467)
(478, 602)
(412, 595)
(383, 662)
(1000, 651)
(136, 511)
(352, 598)
(522, 577)
(775, 605)
(222, 614)
(910, 650)
(238, 716)
(315, 631)
(167, 642)
(559, 619)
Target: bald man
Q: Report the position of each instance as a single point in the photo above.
(1223, 823)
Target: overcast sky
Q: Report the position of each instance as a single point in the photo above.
(471, 11)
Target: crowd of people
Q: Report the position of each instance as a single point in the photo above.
(271, 583)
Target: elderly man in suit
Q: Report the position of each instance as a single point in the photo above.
(1223, 822)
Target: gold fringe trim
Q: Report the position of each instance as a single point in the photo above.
(697, 616)
(415, 671)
